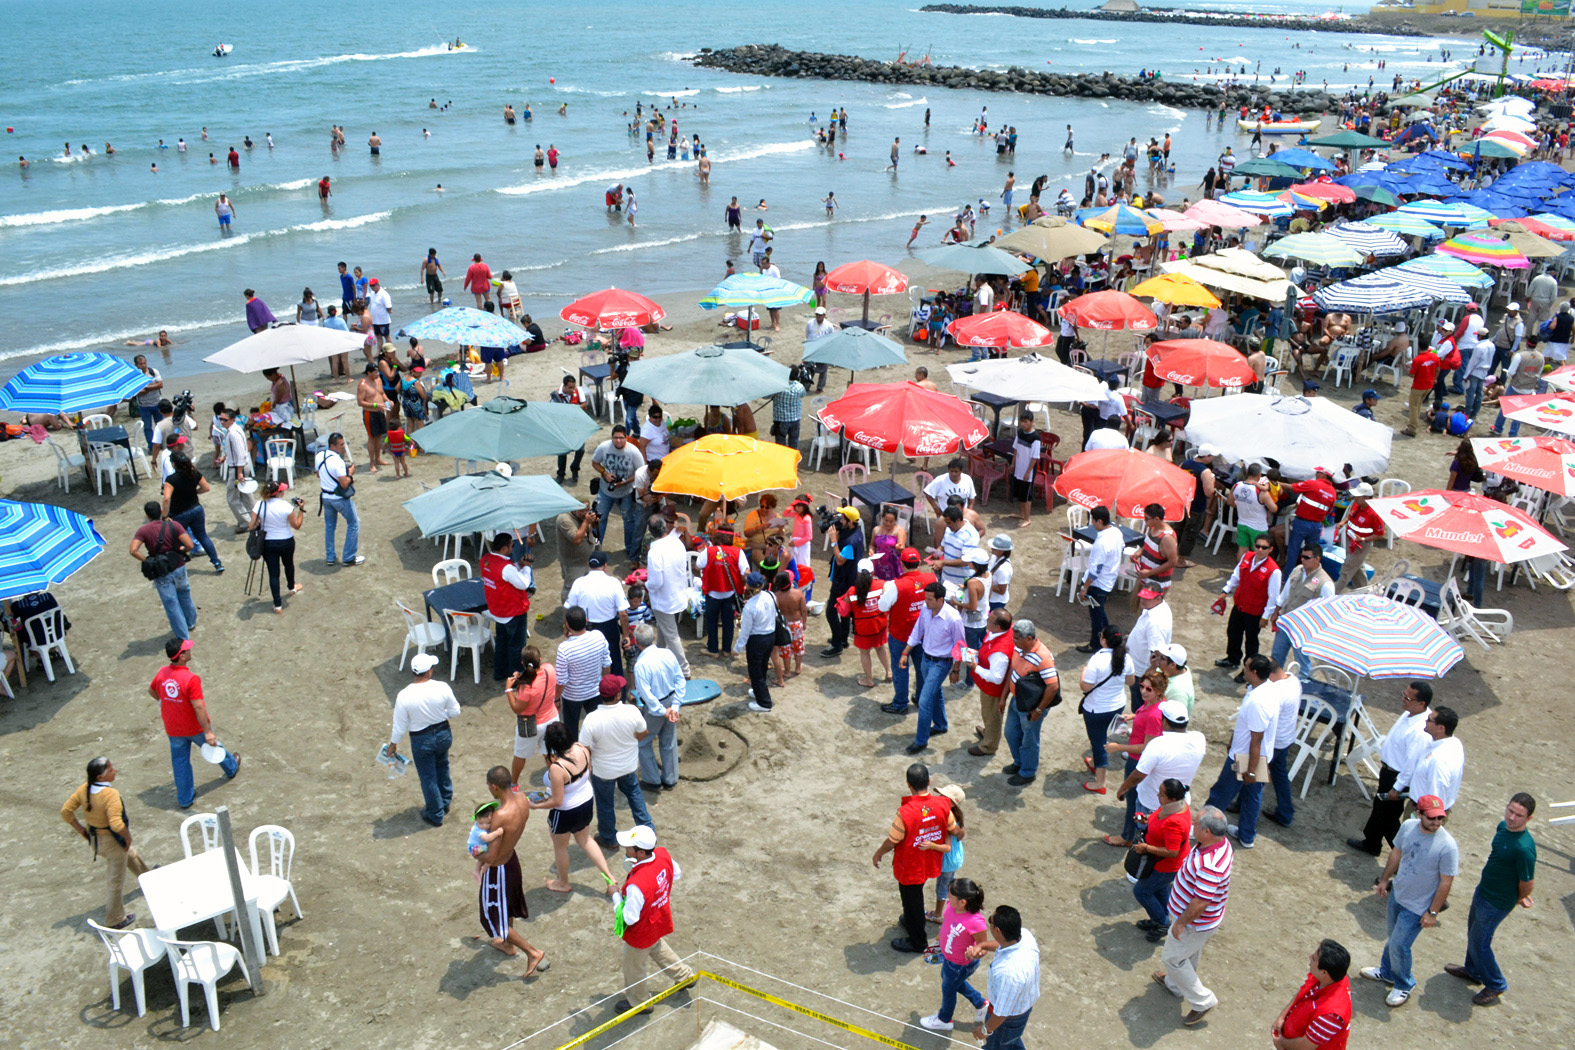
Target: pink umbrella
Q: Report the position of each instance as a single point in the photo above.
(1213, 213)
(1174, 221)
(1326, 191)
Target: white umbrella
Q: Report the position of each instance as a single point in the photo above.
(1027, 378)
(1297, 432)
(291, 344)
(1508, 104)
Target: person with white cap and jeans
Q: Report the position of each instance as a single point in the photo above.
(818, 327)
(757, 631)
(423, 709)
(643, 911)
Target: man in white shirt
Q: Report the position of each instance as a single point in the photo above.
(423, 709)
(1104, 438)
(1099, 578)
(1540, 293)
(984, 297)
(1251, 744)
(953, 483)
(1149, 634)
(957, 540)
(581, 659)
(1440, 768)
(654, 441)
(237, 467)
(1288, 689)
(757, 629)
(336, 482)
(606, 606)
(759, 238)
(381, 305)
(659, 688)
(166, 466)
(1013, 987)
(1177, 752)
(817, 327)
(613, 733)
(667, 586)
(1026, 447)
(1403, 746)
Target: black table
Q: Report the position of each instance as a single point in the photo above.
(1340, 701)
(464, 596)
(597, 374)
(746, 344)
(1104, 370)
(1129, 537)
(874, 493)
(1432, 594)
(995, 403)
(1165, 413)
(107, 436)
(868, 326)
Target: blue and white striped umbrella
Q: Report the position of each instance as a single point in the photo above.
(1436, 285)
(1265, 204)
(41, 544)
(1369, 240)
(1372, 293)
(71, 383)
(1372, 637)
(465, 326)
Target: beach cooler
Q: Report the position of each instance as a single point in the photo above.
(747, 323)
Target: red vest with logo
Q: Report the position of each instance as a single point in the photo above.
(1252, 585)
(924, 819)
(987, 649)
(655, 881)
(503, 599)
(904, 613)
(1317, 499)
(721, 570)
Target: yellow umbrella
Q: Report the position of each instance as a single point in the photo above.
(1177, 290)
(726, 466)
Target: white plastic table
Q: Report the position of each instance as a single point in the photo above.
(195, 890)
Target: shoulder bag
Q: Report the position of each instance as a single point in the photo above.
(166, 559)
(1028, 691)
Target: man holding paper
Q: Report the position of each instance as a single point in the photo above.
(1247, 761)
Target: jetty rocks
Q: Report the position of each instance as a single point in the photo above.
(1161, 14)
(773, 60)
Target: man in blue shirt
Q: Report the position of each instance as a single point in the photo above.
(659, 686)
(1370, 401)
(936, 634)
(346, 286)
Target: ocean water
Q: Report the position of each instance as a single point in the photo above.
(99, 249)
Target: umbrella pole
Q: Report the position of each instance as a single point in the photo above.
(866, 304)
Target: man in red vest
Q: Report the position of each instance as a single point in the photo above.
(920, 835)
(901, 601)
(1315, 502)
(644, 909)
(1361, 529)
(990, 674)
(508, 589)
(1257, 576)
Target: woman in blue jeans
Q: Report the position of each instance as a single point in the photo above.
(181, 491)
(963, 925)
(1165, 839)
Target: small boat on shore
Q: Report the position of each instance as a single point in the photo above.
(1279, 127)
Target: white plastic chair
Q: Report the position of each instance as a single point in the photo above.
(109, 460)
(97, 421)
(280, 459)
(1396, 366)
(450, 571)
(869, 456)
(1392, 487)
(65, 463)
(420, 633)
(1224, 525)
(133, 951)
(466, 630)
(207, 824)
(1461, 620)
(1317, 721)
(274, 886)
(201, 962)
(48, 626)
(1556, 570)
(1406, 592)
(1074, 562)
(1342, 363)
(921, 505)
(1362, 744)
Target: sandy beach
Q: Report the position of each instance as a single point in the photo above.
(775, 853)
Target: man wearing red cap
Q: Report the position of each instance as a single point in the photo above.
(901, 600)
(1416, 882)
(613, 733)
(644, 912)
(186, 721)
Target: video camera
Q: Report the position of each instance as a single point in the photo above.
(181, 404)
(828, 519)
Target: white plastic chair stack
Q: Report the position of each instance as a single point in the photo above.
(201, 962)
(419, 633)
(41, 635)
(109, 460)
(1074, 562)
(133, 951)
(1224, 525)
(274, 886)
(1312, 731)
(1363, 742)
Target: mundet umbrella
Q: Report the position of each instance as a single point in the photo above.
(1027, 378)
(507, 429)
(71, 383)
(727, 466)
(1547, 463)
(612, 308)
(710, 375)
(1372, 637)
(854, 349)
(1200, 362)
(1300, 433)
(866, 278)
(906, 416)
(1126, 481)
(1465, 523)
(1548, 411)
(489, 502)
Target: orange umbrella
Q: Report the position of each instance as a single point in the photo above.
(1200, 362)
(1126, 480)
(866, 278)
(727, 466)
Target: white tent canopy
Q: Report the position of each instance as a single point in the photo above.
(1299, 433)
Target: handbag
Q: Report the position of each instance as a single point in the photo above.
(164, 561)
(1138, 865)
(525, 725)
(784, 635)
(1028, 691)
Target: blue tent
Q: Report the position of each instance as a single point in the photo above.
(1416, 131)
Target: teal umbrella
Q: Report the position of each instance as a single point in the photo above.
(1348, 139)
(971, 258)
(856, 349)
(489, 502)
(507, 429)
(1266, 168)
(711, 375)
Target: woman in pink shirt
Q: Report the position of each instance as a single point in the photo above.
(962, 926)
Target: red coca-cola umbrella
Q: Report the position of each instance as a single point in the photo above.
(906, 416)
(1126, 481)
(1200, 362)
(999, 328)
(1326, 191)
(1109, 312)
(612, 308)
(866, 278)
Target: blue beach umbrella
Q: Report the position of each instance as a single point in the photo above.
(71, 383)
(1301, 158)
(41, 545)
(1444, 158)
(464, 326)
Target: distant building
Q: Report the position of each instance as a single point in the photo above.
(1120, 6)
(1498, 8)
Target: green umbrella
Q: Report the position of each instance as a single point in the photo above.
(1376, 194)
(507, 429)
(1494, 148)
(1348, 139)
(855, 349)
(711, 375)
(971, 258)
(1266, 168)
(489, 502)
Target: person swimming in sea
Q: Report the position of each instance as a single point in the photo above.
(161, 340)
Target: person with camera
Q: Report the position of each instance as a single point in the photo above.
(847, 550)
(278, 519)
(617, 460)
(162, 546)
(336, 476)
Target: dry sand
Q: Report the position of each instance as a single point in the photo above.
(775, 853)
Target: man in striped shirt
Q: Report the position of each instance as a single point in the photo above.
(1197, 907)
(582, 658)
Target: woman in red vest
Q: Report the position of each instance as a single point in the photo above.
(869, 623)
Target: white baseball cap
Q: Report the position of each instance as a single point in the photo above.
(1513, 308)
(1207, 449)
(421, 663)
(1175, 653)
(641, 836)
(1174, 711)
